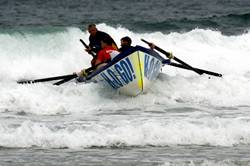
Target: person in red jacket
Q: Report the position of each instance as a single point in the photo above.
(106, 53)
(103, 57)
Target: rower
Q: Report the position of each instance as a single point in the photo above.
(102, 58)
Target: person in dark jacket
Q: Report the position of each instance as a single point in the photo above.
(96, 37)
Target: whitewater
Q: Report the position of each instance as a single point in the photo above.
(182, 108)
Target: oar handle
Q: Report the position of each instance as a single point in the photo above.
(86, 46)
(169, 55)
(159, 49)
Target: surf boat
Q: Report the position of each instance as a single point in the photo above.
(131, 72)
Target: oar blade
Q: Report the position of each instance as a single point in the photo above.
(25, 81)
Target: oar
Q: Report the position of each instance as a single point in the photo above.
(88, 70)
(45, 79)
(200, 70)
(86, 46)
(66, 79)
(169, 55)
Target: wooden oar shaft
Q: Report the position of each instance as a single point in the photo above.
(65, 80)
(88, 70)
(86, 46)
(200, 70)
(175, 58)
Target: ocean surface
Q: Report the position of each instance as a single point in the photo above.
(184, 119)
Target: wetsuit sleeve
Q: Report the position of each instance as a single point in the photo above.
(95, 44)
(105, 35)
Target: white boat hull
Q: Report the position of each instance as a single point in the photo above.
(133, 73)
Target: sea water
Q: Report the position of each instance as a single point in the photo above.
(184, 118)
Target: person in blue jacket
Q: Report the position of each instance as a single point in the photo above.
(125, 44)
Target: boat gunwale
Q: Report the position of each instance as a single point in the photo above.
(124, 55)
